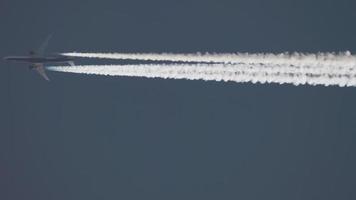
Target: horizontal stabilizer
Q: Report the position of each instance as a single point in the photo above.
(71, 63)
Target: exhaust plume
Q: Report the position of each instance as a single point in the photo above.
(332, 61)
(255, 72)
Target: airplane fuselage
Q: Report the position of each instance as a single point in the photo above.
(39, 59)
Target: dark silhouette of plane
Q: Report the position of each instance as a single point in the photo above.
(38, 59)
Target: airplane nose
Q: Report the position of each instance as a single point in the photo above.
(6, 58)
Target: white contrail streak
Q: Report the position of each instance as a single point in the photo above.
(330, 61)
(255, 72)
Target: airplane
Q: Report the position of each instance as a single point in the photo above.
(37, 59)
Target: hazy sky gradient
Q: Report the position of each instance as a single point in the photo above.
(92, 137)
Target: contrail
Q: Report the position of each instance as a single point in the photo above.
(330, 61)
(239, 72)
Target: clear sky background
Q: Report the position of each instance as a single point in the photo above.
(83, 137)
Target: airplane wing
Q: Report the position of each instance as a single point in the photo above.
(40, 69)
(43, 47)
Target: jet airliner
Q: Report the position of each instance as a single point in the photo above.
(37, 59)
